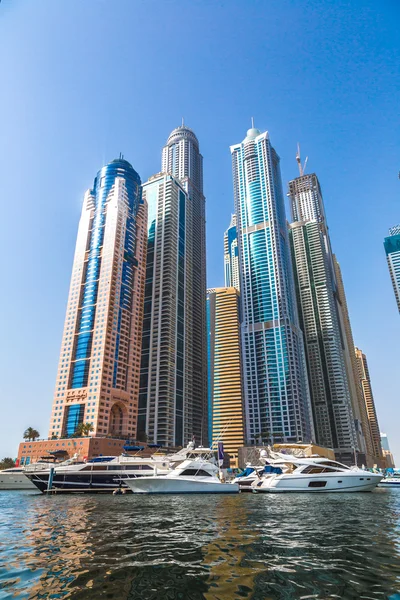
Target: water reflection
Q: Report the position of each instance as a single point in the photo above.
(205, 547)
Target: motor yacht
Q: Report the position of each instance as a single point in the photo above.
(392, 480)
(192, 476)
(314, 474)
(107, 473)
(15, 479)
(250, 474)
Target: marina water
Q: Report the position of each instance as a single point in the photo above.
(288, 546)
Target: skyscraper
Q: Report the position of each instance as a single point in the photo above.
(182, 160)
(370, 404)
(225, 386)
(166, 376)
(324, 343)
(231, 255)
(359, 408)
(392, 249)
(277, 401)
(387, 454)
(98, 373)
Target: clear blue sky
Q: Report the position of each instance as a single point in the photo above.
(82, 81)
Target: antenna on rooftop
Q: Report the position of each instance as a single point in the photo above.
(298, 159)
(252, 122)
(183, 122)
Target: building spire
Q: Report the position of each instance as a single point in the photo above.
(183, 122)
(252, 122)
(302, 168)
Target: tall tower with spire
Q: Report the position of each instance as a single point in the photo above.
(339, 415)
(277, 401)
(98, 373)
(181, 158)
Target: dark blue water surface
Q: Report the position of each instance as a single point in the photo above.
(200, 547)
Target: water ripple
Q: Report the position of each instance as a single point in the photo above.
(264, 547)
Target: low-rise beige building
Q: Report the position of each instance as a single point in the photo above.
(84, 447)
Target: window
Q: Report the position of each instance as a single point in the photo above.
(198, 472)
(317, 484)
(330, 463)
(314, 470)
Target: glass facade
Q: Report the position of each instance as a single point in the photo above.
(392, 249)
(103, 185)
(73, 417)
(231, 255)
(277, 401)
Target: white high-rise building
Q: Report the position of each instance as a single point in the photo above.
(181, 158)
(166, 375)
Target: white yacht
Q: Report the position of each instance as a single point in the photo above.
(107, 473)
(193, 476)
(104, 473)
(391, 481)
(15, 479)
(314, 474)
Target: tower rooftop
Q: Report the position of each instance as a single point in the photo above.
(121, 160)
(252, 133)
(182, 132)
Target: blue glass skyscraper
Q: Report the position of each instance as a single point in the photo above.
(231, 255)
(277, 400)
(392, 249)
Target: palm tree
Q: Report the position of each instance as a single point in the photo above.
(31, 434)
(87, 428)
(278, 437)
(262, 437)
(142, 436)
(84, 429)
(7, 463)
(79, 430)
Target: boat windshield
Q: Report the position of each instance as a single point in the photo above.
(195, 472)
(334, 465)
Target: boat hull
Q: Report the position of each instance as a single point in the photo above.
(79, 482)
(387, 483)
(165, 485)
(15, 482)
(338, 483)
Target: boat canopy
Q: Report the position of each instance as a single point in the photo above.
(271, 469)
(133, 448)
(246, 472)
(99, 459)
